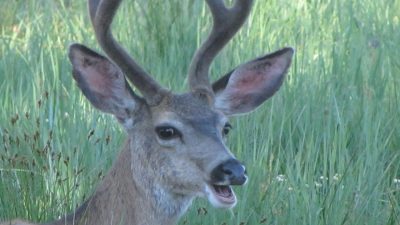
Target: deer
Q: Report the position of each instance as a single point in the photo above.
(175, 149)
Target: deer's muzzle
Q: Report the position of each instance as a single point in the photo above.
(230, 172)
(219, 191)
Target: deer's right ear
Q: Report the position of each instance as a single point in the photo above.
(250, 84)
(102, 82)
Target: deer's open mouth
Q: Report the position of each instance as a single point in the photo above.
(221, 195)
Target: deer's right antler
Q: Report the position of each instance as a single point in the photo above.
(102, 13)
(227, 22)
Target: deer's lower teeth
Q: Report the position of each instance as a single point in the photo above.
(223, 190)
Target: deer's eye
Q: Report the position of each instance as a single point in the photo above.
(226, 129)
(167, 132)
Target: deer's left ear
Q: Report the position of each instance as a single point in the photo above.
(250, 84)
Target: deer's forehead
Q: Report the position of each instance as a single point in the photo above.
(190, 110)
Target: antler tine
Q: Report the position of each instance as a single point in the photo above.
(102, 13)
(227, 22)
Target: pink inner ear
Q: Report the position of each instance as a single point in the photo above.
(98, 83)
(100, 74)
(254, 77)
(249, 81)
(252, 83)
(259, 76)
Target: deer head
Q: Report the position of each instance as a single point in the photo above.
(176, 141)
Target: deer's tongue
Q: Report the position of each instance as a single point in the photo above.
(224, 193)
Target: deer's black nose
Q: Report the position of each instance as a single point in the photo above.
(230, 172)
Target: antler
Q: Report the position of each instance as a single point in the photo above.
(227, 22)
(102, 13)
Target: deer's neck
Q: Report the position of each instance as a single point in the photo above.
(130, 194)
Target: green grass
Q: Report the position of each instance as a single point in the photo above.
(324, 150)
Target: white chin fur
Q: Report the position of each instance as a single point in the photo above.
(214, 200)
